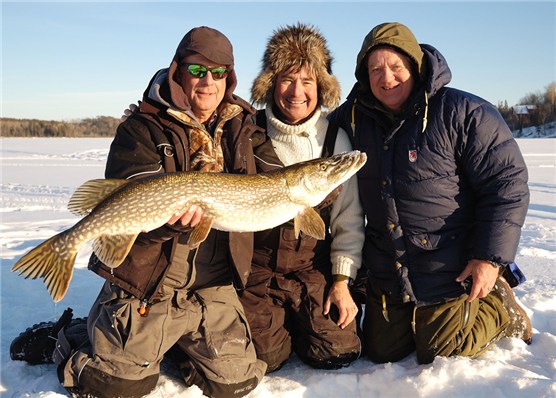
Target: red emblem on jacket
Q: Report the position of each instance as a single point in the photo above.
(412, 154)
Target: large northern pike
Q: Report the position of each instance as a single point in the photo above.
(116, 211)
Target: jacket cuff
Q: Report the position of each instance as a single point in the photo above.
(345, 266)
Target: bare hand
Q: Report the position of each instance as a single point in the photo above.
(191, 216)
(339, 296)
(483, 276)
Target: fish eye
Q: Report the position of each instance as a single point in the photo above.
(323, 166)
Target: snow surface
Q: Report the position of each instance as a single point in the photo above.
(38, 177)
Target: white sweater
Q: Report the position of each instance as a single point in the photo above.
(296, 143)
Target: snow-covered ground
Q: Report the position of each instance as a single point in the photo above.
(38, 177)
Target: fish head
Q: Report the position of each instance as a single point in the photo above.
(311, 181)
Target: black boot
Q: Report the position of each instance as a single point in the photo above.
(36, 344)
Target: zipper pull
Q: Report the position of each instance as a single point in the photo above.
(413, 323)
(143, 309)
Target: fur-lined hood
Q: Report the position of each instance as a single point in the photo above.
(297, 45)
(397, 36)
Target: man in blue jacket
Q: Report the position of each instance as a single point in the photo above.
(445, 195)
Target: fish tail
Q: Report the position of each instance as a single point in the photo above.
(52, 261)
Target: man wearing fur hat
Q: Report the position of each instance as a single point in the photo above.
(167, 298)
(297, 296)
(445, 195)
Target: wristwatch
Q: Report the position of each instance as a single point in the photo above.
(343, 278)
(495, 264)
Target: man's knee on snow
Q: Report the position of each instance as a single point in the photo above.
(322, 354)
(95, 383)
(217, 390)
(384, 354)
(276, 358)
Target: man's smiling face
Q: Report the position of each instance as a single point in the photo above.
(390, 77)
(296, 94)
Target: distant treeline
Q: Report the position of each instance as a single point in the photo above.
(102, 126)
(535, 109)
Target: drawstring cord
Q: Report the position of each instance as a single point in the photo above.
(426, 112)
(384, 310)
(387, 319)
(353, 116)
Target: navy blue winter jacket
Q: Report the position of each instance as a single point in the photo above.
(444, 182)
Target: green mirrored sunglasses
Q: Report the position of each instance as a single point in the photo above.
(200, 71)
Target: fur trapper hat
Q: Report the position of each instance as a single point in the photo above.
(298, 45)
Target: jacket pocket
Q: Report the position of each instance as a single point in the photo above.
(224, 324)
(115, 316)
(431, 241)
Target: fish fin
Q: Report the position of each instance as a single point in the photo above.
(200, 232)
(309, 222)
(91, 193)
(47, 261)
(113, 249)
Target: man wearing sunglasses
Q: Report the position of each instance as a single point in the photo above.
(167, 298)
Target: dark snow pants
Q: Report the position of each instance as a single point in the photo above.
(285, 313)
(393, 329)
(122, 351)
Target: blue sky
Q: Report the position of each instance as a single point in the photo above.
(69, 60)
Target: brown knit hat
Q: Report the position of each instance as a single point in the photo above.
(297, 45)
(214, 46)
(392, 34)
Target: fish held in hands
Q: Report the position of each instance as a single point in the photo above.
(115, 211)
